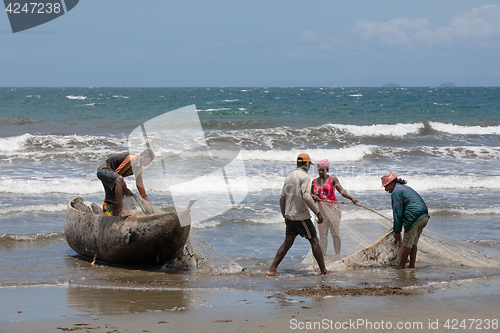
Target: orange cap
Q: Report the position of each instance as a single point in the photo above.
(387, 178)
(304, 158)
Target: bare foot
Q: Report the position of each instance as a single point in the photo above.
(124, 213)
(328, 272)
(272, 273)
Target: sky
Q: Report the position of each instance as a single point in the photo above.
(221, 43)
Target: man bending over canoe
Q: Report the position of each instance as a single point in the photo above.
(112, 172)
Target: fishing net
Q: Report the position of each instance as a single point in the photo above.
(384, 251)
(198, 254)
(208, 259)
(139, 206)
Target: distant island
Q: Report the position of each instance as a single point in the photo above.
(391, 85)
(448, 84)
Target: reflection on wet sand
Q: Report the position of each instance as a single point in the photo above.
(105, 301)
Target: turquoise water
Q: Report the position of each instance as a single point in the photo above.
(34, 108)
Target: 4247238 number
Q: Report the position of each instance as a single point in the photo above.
(34, 7)
(471, 324)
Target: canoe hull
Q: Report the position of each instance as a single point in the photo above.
(148, 240)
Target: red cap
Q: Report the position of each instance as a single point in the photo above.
(387, 178)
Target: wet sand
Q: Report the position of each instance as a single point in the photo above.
(421, 309)
(323, 291)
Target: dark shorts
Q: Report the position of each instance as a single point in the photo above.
(108, 179)
(304, 228)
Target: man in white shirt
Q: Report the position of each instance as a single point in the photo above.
(294, 200)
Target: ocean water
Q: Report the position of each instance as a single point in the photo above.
(444, 141)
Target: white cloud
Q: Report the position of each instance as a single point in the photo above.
(398, 31)
(306, 36)
(307, 45)
(479, 23)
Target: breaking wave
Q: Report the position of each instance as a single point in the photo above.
(256, 145)
(465, 130)
(269, 183)
(39, 237)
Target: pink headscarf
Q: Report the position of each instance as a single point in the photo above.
(324, 163)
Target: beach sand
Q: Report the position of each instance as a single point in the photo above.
(465, 306)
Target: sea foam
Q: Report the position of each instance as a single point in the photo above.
(33, 208)
(69, 186)
(68, 146)
(14, 143)
(398, 130)
(349, 154)
(266, 183)
(465, 130)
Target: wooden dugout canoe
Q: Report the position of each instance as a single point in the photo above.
(147, 240)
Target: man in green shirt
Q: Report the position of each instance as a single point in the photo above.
(409, 211)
